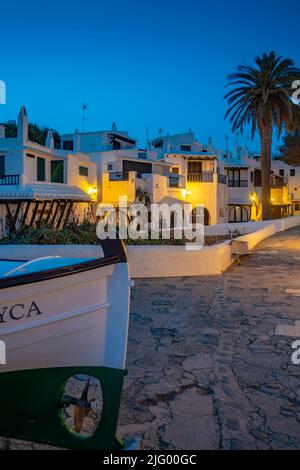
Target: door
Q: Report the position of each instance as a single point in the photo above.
(40, 169)
(57, 171)
(2, 165)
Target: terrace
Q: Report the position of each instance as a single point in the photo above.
(8, 180)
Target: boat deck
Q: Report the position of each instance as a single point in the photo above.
(9, 268)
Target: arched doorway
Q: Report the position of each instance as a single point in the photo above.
(206, 216)
(238, 214)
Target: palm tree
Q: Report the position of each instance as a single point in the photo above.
(261, 97)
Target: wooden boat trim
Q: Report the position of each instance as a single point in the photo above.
(55, 319)
(114, 252)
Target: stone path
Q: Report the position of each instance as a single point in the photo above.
(206, 369)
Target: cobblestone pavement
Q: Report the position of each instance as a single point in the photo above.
(206, 369)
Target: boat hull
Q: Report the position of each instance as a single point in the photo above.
(76, 320)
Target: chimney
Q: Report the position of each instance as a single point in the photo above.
(50, 139)
(2, 131)
(23, 124)
(76, 141)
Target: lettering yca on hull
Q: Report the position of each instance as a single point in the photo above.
(18, 312)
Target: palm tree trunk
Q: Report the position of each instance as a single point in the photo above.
(266, 156)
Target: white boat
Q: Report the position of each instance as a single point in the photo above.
(64, 313)
(58, 311)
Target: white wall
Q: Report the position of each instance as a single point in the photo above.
(174, 261)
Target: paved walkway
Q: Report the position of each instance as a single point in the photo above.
(206, 370)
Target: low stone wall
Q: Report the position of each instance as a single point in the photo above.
(249, 227)
(175, 261)
(252, 239)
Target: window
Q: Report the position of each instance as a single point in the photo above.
(297, 206)
(237, 178)
(175, 170)
(281, 172)
(292, 172)
(68, 145)
(251, 176)
(142, 155)
(109, 167)
(30, 155)
(40, 163)
(57, 171)
(195, 167)
(139, 167)
(186, 148)
(173, 182)
(238, 214)
(2, 165)
(83, 171)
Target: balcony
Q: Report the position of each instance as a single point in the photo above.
(118, 176)
(222, 179)
(275, 181)
(205, 177)
(176, 181)
(238, 184)
(9, 180)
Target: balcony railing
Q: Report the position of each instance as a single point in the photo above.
(9, 180)
(238, 184)
(222, 179)
(205, 177)
(118, 176)
(275, 182)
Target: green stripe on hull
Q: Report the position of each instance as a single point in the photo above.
(31, 403)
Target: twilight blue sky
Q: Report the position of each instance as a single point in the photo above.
(156, 63)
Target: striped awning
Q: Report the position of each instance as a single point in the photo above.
(44, 191)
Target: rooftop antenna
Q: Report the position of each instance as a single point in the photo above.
(227, 145)
(147, 137)
(84, 108)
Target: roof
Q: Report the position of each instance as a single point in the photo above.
(43, 191)
(233, 165)
(116, 136)
(196, 155)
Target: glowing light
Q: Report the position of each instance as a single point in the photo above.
(92, 191)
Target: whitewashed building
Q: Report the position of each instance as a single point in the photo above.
(122, 166)
(202, 171)
(291, 176)
(40, 183)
